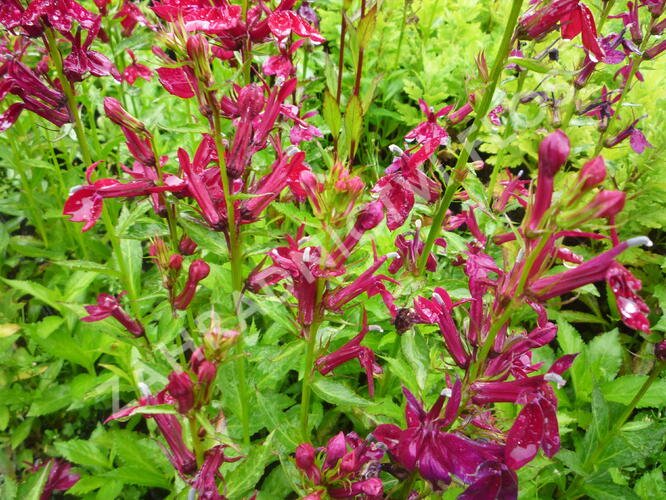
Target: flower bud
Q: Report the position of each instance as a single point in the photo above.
(660, 350)
(653, 52)
(206, 373)
(250, 101)
(180, 388)
(607, 203)
(119, 116)
(305, 455)
(335, 449)
(199, 53)
(592, 174)
(187, 246)
(199, 269)
(371, 215)
(553, 153)
(175, 262)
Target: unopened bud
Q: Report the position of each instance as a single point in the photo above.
(175, 262)
(187, 246)
(607, 203)
(553, 153)
(199, 269)
(660, 350)
(371, 215)
(118, 115)
(593, 173)
(199, 53)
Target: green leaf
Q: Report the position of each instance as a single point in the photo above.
(353, 124)
(337, 393)
(21, 432)
(623, 389)
(605, 355)
(530, 64)
(84, 265)
(605, 489)
(50, 401)
(331, 114)
(140, 476)
(366, 27)
(40, 292)
(415, 351)
(37, 489)
(245, 477)
(650, 483)
(132, 254)
(82, 452)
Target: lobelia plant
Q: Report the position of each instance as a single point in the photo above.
(250, 253)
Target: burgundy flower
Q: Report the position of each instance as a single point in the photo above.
(108, 306)
(180, 387)
(403, 180)
(636, 138)
(553, 153)
(130, 15)
(429, 129)
(199, 270)
(424, 446)
(136, 70)
(633, 309)
(493, 481)
(214, 18)
(58, 14)
(410, 250)
(305, 460)
(283, 23)
(368, 218)
(592, 173)
(82, 60)
(180, 456)
(205, 481)
(353, 350)
(439, 311)
(367, 282)
(179, 81)
(593, 270)
(60, 476)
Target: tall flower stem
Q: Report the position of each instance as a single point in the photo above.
(341, 56)
(571, 491)
(306, 390)
(56, 57)
(235, 258)
(481, 113)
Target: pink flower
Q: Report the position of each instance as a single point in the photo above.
(633, 309)
(215, 18)
(136, 70)
(353, 350)
(636, 138)
(130, 16)
(82, 60)
(283, 23)
(108, 306)
(429, 129)
(199, 270)
(60, 477)
(179, 81)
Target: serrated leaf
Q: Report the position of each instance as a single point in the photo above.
(139, 476)
(337, 393)
(245, 477)
(331, 114)
(38, 291)
(84, 265)
(82, 452)
(353, 124)
(623, 389)
(605, 355)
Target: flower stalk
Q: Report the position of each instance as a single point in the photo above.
(481, 112)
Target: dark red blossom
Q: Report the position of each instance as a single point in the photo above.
(136, 70)
(60, 477)
(130, 15)
(57, 14)
(199, 270)
(353, 350)
(213, 18)
(631, 306)
(108, 306)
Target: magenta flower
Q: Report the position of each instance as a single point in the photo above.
(60, 476)
(439, 311)
(82, 60)
(353, 350)
(368, 283)
(130, 15)
(108, 306)
(180, 456)
(493, 481)
(553, 153)
(205, 482)
(402, 180)
(593, 270)
(213, 18)
(633, 309)
(410, 250)
(368, 218)
(180, 388)
(424, 446)
(429, 129)
(136, 70)
(283, 23)
(636, 138)
(305, 460)
(179, 81)
(199, 270)
(59, 15)
(592, 173)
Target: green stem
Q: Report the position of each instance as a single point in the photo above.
(306, 390)
(56, 57)
(399, 54)
(603, 444)
(496, 326)
(235, 258)
(481, 113)
(508, 130)
(341, 56)
(196, 442)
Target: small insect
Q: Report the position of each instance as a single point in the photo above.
(554, 54)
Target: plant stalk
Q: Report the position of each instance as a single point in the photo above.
(481, 112)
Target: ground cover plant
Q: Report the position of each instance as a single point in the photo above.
(357, 249)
